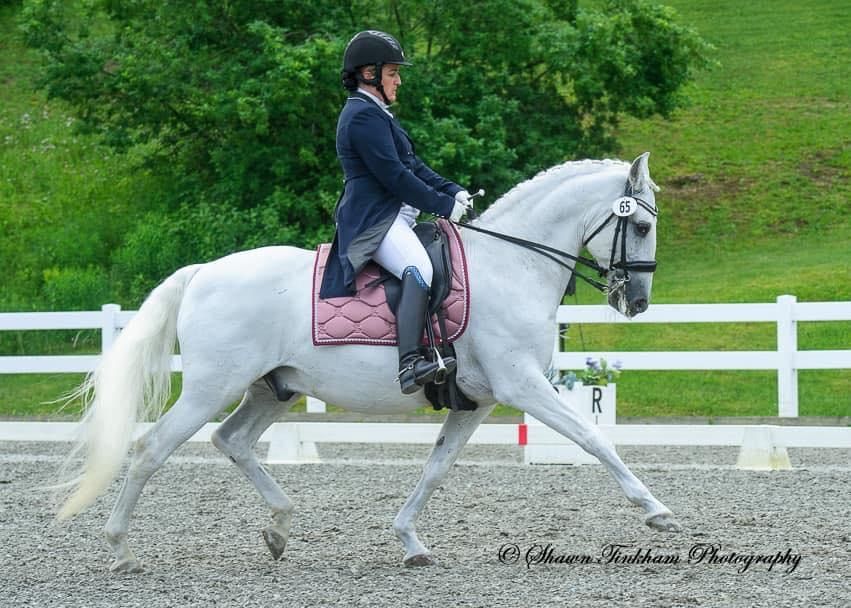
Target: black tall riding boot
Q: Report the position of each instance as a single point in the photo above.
(414, 370)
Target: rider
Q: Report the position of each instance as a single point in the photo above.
(385, 187)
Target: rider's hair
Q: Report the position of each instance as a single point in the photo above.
(352, 79)
(349, 79)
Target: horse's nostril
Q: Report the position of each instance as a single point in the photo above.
(639, 305)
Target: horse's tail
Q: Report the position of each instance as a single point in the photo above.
(131, 382)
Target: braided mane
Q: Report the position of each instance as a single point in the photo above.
(548, 178)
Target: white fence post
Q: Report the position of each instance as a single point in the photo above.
(763, 450)
(787, 347)
(286, 445)
(315, 406)
(109, 326)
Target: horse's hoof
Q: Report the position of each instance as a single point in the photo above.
(664, 522)
(276, 542)
(416, 561)
(127, 565)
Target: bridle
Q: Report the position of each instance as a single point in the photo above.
(620, 232)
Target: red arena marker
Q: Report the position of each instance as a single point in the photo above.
(522, 434)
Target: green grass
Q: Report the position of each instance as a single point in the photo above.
(28, 395)
(756, 201)
(763, 150)
(806, 266)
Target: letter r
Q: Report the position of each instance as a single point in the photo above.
(596, 398)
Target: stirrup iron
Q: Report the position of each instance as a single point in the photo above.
(442, 372)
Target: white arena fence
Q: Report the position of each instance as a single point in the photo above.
(294, 441)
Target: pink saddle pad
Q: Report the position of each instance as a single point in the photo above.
(365, 318)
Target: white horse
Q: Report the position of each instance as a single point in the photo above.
(244, 315)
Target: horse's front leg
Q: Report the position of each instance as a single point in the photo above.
(456, 431)
(534, 394)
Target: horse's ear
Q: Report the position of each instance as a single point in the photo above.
(639, 174)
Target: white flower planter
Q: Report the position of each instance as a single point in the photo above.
(594, 403)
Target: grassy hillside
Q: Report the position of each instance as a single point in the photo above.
(755, 203)
(763, 151)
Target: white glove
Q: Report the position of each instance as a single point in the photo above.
(457, 211)
(463, 197)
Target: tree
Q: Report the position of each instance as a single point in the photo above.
(236, 101)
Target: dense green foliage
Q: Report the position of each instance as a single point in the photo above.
(234, 104)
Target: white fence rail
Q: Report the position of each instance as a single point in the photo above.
(295, 442)
(786, 359)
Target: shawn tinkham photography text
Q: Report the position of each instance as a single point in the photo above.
(699, 554)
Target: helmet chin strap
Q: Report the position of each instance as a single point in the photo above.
(375, 81)
(383, 96)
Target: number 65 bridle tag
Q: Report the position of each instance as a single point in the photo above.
(624, 206)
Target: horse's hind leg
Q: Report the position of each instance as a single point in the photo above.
(186, 416)
(236, 438)
(535, 395)
(457, 430)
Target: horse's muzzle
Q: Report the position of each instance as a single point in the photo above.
(638, 306)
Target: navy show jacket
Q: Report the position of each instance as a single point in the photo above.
(381, 171)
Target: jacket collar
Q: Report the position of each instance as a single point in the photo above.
(361, 94)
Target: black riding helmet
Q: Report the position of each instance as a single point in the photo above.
(370, 47)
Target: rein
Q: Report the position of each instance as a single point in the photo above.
(551, 252)
(546, 251)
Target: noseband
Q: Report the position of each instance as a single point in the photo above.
(622, 264)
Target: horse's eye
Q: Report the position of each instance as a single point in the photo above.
(642, 228)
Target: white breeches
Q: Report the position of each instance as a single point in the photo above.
(401, 248)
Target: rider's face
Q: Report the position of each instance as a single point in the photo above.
(390, 80)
